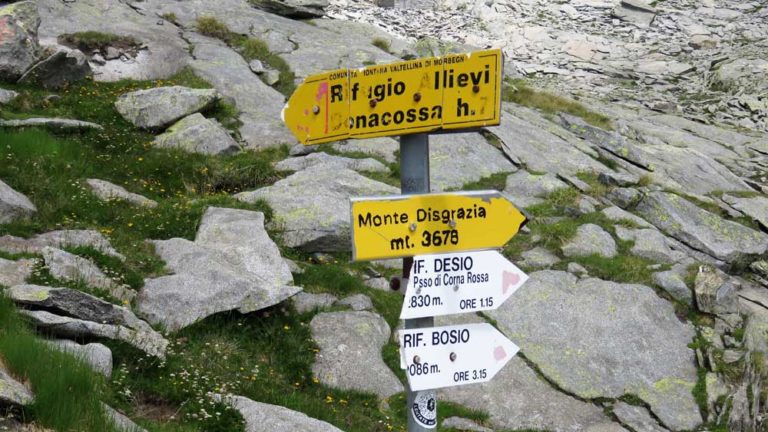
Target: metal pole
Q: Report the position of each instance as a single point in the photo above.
(414, 179)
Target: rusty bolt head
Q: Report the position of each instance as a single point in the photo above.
(417, 97)
(373, 103)
(452, 356)
(416, 359)
(315, 109)
(475, 88)
(394, 284)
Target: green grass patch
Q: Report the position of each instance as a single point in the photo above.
(496, 182)
(382, 44)
(597, 189)
(699, 391)
(518, 91)
(67, 392)
(90, 41)
(250, 48)
(212, 27)
(266, 356)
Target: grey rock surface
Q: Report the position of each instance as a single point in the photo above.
(197, 134)
(755, 207)
(7, 96)
(295, 8)
(12, 392)
(52, 124)
(107, 191)
(307, 302)
(261, 417)
(463, 424)
(160, 107)
(743, 73)
(538, 257)
(527, 138)
(516, 398)
(69, 267)
(673, 281)
(321, 158)
(715, 291)
(14, 205)
(590, 239)
(618, 179)
(636, 12)
(525, 189)
(96, 355)
(605, 339)
(624, 197)
(59, 239)
(259, 105)
(231, 265)
(655, 246)
(612, 141)
(161, 52)
(121, 422)
(700, 229)
(65, 66)
(150, 342)
(456, 159)
(616, 214)
(347, 340)
(357, 302)
(19, 47)
(15, 272)
(637, 418)
(383, 147)
(311, 207)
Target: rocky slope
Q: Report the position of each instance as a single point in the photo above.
(647, 306)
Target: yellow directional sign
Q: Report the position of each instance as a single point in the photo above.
(318, 110)
(407, 225)
(456, 91)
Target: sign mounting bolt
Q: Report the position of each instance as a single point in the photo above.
(373, 103)
(315, 109)
(417, 359)
(452, 223)
(475, 88)
(452, 356)
(417, 97)
(412, 227)
(394, 284)
(455, 287)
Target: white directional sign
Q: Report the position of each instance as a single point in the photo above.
(459, 283)
(437, 357)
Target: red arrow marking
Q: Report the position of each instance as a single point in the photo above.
(499, 354)
(323, 91)
(508, 279)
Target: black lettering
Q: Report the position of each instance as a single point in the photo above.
(410, 117)
(399, 116)
(336, 92)
(397, 244)
(423, 114)
(361, 122)
(462, 108)
(385, 118)
(373, 120)
(364, 221)
(461, 80)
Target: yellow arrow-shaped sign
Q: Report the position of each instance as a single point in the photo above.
(456, 91)
(407, 225)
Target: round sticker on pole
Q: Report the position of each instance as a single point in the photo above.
(425, 409)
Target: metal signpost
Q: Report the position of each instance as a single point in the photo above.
(411, 99)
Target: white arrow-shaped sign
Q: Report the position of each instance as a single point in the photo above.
(437, 357)
(459, 283)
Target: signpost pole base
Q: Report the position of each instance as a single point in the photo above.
(414, 179)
